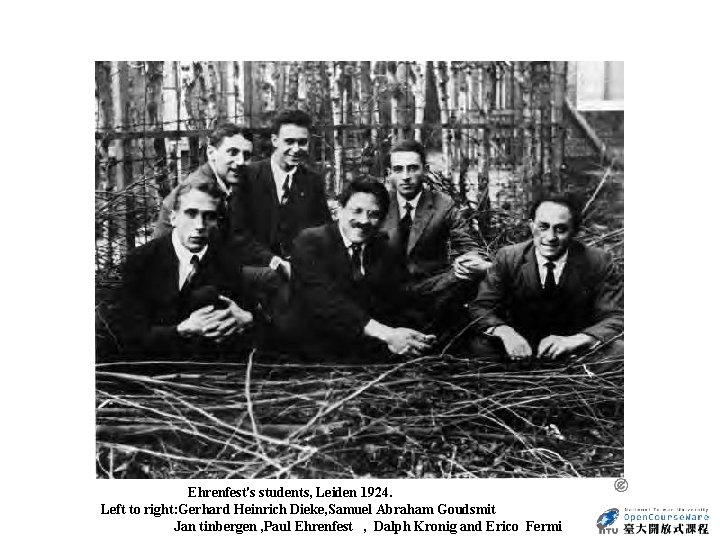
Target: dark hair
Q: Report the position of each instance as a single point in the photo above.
(227, 130)
(408, 145)
(366, 184)
(211, 187)
(291, 116)
(568, 201)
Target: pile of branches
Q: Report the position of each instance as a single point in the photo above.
(438, 416)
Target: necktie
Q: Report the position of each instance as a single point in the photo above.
(285, 191)
(194, 264)
(404, 227)
(550, 284)
(356, 260)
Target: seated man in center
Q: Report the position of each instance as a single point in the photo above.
(346, 299)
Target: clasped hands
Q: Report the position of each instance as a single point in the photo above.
(216, 324)
(469, 265)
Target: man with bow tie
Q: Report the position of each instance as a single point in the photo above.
(552, 296)
(346, 294)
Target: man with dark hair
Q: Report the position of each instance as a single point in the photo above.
(229, 150)
(551, 296)
(279, 197)
(181, 293)
(346, 297)
(439, 248)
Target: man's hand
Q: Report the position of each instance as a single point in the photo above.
(555, 346)
(407, 341)
(197, 323)
(470, 265)
(228, 321)
(400, 340)
(516, 346)
(243, 318)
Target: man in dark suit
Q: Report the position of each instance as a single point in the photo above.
(228, 153)
(181, 293)
(552, 296)
(279, 197)
(346, 298)
(440, 250)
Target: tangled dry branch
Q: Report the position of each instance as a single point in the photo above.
(438, 416)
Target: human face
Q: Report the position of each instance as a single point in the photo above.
(230, 157)
(195, 217)
(291, 145)
(552, 230)
(406, 173)
(360, 218)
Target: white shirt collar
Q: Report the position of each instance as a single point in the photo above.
(348, 248)
(184, 254)
(184, 257)
(279, 176)
(558, 262)
(402, 201)
(557, 271)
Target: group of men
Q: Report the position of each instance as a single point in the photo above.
(247, 254)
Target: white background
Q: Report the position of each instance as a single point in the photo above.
(671, 263)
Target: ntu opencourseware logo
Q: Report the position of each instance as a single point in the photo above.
(607, 518)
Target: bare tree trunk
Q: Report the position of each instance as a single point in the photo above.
(229, 95)
(337, 109)
(441, 84)
(418, 69)
(301, 82)
(558, 81)
(123, 154)
(394, 104)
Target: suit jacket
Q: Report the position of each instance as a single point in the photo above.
(151, 303)
(588, 298)
(250, 251)
(326, 304)
(439, 233)
(256, 209)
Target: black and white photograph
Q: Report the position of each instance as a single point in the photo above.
(359, 269)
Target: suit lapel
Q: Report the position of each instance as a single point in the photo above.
(299, 185)
(168, 266)
(339, 247)
(272, 205)
(423, 215)
(529, 273)
(391, 221)
(571, 278)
